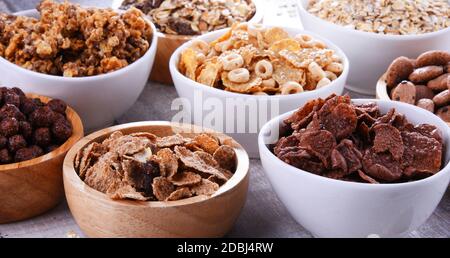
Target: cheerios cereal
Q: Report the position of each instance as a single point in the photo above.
(252, 59)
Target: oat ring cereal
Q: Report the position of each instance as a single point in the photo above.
(239, 75)
(232, 61)
(200, 46)
(251, 58)
(264, 69)
(291, 88)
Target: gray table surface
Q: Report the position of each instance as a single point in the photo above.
(263, 215)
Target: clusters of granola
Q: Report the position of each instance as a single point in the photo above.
(194, 17)
(395, 17)
(68, 40)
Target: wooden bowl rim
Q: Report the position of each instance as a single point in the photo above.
(381, 91)
(69, 171)
(77, 133)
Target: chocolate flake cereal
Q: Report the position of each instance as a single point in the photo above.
(356, 143)
(142, 166)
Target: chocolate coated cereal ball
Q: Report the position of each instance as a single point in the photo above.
(58, 106)
(42, 117)
(3, 141)
(12, 98)
(9, 127)
(5, 157)
(16, 142)
(42, 137)
(28, 106)
(62, 130)
(25, 129)
(9, 110)
(28, 153)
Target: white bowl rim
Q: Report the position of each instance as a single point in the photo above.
(242, 170)
(120, 72)
(291, 169)
(371, 34)
(174, 59)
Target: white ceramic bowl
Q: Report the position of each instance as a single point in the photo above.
(100, 99)
(369, 53)
(229, 114)
(333, 208)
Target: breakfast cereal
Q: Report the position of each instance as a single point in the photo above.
(337, 139)
(424, 81)
(255, 60)
(182, 17)
(71, 41)
(142, 166)
(393, 17)
(30, 128)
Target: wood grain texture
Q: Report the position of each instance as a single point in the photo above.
(200, 216)
(382, 92)
(32, 187)
(167, 44)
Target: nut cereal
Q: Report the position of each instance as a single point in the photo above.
(68, 40)
(337, 139)
(393, 17)
(144, 167)
(183, 17)
(251, 59)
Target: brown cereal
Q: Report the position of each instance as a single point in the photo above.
(434, 57)
(426, 104)
(444, 113)
(68, 40)
(440, 83)
(142, 166)
(399, 70)
(226, 157)
(206, 187)
(424, 92)
(404, 92)
(388, 138)
(185, 179)
(425, 74)
(180, 193)
(442, 99)
(372, 148)
(162, 188)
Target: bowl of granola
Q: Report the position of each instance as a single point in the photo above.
(373, 33)
(182, 20)
(357, 168)
(35, 134)
(237, 79)
(156, 179)
(95, 59)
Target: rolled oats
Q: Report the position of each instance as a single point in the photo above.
(394, 17)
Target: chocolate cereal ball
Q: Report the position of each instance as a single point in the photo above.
(58, 106)
(12, 98)
(42, 117)
(42, 137)
(3, 141)
(9, 126)
(5, 157)
(28, 153)
(16, 143)
(28, 106)
(9, 110)
(25, 129)
(62, 130)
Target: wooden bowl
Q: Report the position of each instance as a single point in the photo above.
(382, 91)
(200, 216)
(32, 187)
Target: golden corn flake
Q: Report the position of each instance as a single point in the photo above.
(283, 72)
(189, 62)
(251, 86)
(285, 44)
(209, 74)
(275, 34)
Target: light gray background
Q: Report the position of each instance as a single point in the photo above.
(263, 215)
